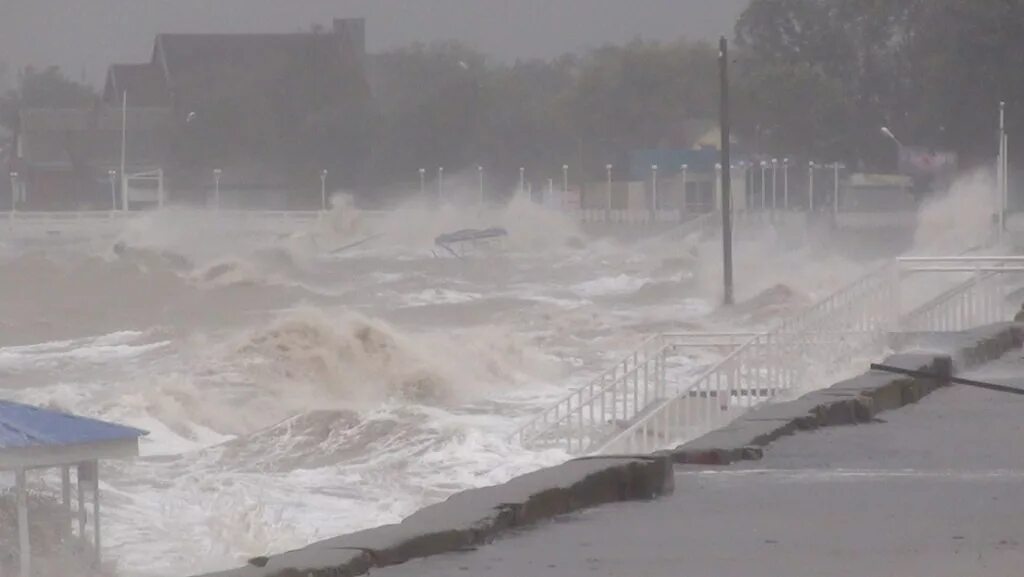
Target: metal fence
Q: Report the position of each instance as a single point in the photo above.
(989, 291)
(650, 400)
(618, 396)
(780, 362)
(105, 223)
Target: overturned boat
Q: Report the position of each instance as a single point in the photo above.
(463, 242)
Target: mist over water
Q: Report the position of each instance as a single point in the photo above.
(300, 386)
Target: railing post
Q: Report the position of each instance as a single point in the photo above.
(895, 279)
(636, 387)
(647, 381)
(662, 375)
(592, 402)
(581, 430)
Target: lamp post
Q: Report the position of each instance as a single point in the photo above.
(726, 177)
(522, 180)
(565, 178)
(423, 182)
(216, 188)
(1002, 173)
(480, 182)
(551, 192)
(810, 186)
(775, 183)
(608, 205)
(124, 151)
(323, 190)
(113, 188)
(14, 191)
(686, 193)
(785, 184)
(440, 184)
(835, 192)
(764, 185)
(742, 165)
(654, 192)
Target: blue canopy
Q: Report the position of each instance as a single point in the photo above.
(25, 426)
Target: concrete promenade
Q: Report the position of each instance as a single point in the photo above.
(935, 488)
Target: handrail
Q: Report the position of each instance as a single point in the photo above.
(871, 307)
(728, 375)
(598, 386)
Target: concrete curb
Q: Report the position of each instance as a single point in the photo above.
(475, 517)
(856, 400)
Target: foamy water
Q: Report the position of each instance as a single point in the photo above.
(296, 389)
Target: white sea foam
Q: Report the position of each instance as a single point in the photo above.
(278, 417)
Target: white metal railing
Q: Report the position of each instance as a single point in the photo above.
(616, 395)
(106, 222)
(626, 216)
(627, 409)
(852, 322)
(620, 394)
(984, 297)
(769, 365)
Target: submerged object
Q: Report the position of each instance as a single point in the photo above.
(469, 235)
(454, 241)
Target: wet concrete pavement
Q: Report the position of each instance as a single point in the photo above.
(935, 489)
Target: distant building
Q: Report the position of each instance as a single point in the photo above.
(694, 188)
(204, 101)
(64, 156)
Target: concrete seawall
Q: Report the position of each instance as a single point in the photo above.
(856, 400)
(478, 516)
(474, 517)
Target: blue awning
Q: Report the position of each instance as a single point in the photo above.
(26, 427)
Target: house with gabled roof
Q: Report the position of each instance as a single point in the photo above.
(259, 107)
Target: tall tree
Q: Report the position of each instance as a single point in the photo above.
(823, 76)
(46, 88)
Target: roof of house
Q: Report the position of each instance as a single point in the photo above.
(26, 426)
(64, 138)
(144, 83)
(201, 67)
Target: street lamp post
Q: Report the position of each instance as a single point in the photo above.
(124, 151)
(113, 188)
(522, 180)
(608, 203)
(551, 192)
(810, 187)
(423, 183)
(775, 183)
(440, 185)
(785, 184)
(764, 185)
(654, 192)
(746, 181)
(1002, 171)
(323, 190)
(686, 193)
(480, 175)
(216, 188)
(565, 178)
(835, 192)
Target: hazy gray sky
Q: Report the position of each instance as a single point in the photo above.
(84, 36)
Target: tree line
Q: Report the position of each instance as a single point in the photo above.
(813, 78)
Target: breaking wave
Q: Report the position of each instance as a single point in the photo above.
(363, 360)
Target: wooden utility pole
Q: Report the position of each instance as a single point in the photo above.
(723, 58)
